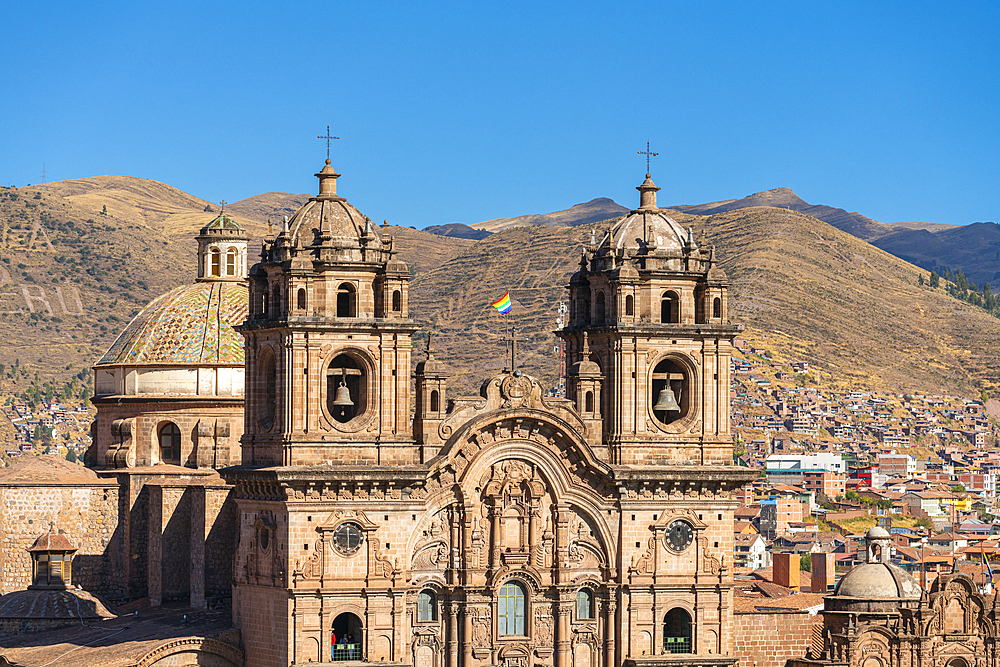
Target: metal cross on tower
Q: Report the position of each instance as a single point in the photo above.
(223, 202)
(328, 138)
(648, 153)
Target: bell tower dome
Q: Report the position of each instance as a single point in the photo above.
(648, 307)
(328, 341)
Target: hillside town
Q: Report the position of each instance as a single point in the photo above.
(835, 464)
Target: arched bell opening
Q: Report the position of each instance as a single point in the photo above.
(670, 395)
(397, 301)
(346, 388)
(276, 300)
(601, 313)
(435, 401)
(347, 301)
(670, 308)
(629, 305)
(300, 298)
(677, 631)
(588, 402)
(716, 308)
(346, 638)
(268, 390)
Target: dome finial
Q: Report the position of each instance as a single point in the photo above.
(647, 195)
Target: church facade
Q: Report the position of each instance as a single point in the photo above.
(506, 528)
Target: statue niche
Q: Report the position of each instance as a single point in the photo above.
(515, 497)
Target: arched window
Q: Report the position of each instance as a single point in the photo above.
(346, 638)
(511, 609)
(588, 402)
(216, 258)
(585, 305)
(346, 388)
(677, 631)
(426, 607)
(397, 301)
(670, 308)
(629, 307)
(170, 443)
(600, 308)
(347, 303)
(584, 604)
(670, 395)
(717, 307)
(276, 301)
(231, 262)
(268, 390)
(435, 401)
(301, 298)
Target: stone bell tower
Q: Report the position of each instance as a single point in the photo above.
(649, 307)
(328, 341)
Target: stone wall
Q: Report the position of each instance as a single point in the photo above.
(769, 638)
(87, 515)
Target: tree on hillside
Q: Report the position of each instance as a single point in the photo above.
(935, 279)
(984, 395)
(104, 211)
(920, 279)
(70, 455)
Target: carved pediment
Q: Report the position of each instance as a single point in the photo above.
(504, 392)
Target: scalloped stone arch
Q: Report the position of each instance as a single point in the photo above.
(553, 472)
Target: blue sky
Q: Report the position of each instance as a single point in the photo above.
(462, 112)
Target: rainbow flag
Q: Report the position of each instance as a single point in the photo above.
(503, 304)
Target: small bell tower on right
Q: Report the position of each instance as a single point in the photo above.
(649, 306)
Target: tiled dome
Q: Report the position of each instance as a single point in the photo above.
(191, 324)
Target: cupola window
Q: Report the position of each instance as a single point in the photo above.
(231, 262)
(170, 443)
(216, 258)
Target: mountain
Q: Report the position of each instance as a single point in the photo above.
(804, 289)
(852, 223)
(458, 230)
(594, 210)
(974, 248)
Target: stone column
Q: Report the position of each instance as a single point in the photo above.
(610, 609)
(466, 637)
(450, 632)
(197, 568)
(154, 548)
(562, 634)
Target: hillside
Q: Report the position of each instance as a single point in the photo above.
(589, 212)
(974, 248)
(72, 277)
(801, 286)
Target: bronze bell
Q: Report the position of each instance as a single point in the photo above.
(666, 401)
(342, 399)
